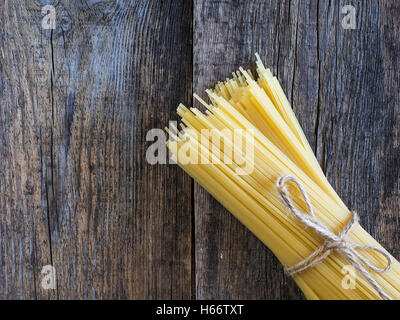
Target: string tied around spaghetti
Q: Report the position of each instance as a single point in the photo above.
(332, 242)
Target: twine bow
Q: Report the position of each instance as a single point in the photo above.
(332, 242)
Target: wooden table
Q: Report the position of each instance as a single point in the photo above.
(77, 101)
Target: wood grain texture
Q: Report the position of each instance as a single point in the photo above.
(25, 120)
(77, 102)
(77, 192)
(358, 135)
(343, 85)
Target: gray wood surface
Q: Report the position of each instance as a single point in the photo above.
(76, 190)
(77, 102)
(343, 85)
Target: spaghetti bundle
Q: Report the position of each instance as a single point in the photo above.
(247, 138)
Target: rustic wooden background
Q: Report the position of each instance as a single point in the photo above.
(76, 103)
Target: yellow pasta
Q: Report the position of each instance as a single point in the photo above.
(207, 149)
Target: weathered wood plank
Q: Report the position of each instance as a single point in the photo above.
(344, 89)
(73, 140)
(25, 126)
(358, 135)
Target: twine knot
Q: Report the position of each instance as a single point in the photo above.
(332, 242)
